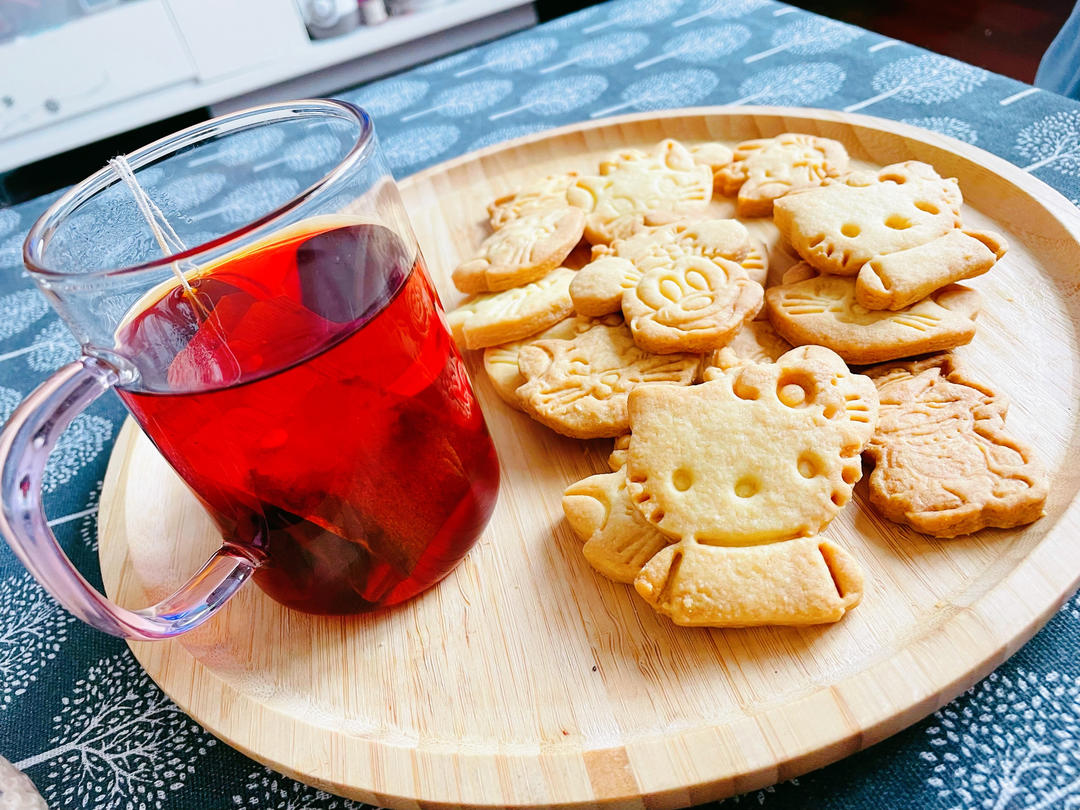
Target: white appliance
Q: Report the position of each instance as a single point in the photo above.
(83, 70)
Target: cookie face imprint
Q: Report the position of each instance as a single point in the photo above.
(764, 169)
(631, 184)
(696, 305)
(822, 310)
(759, 454)
(618, 540)
(579, 387)
(522, 251)
(944, 463)
(494, 318)
(537, 197)
(841, 225)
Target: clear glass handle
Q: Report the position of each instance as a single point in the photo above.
(25, 443)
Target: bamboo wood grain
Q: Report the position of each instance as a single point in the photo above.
(527, 680)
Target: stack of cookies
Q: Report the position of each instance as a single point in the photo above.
(733, 449)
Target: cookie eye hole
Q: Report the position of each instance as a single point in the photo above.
(897, 222)
(850, 475)
(809, 465)
(839, 498)
(747, 486)
(682, 479)
(850, 230)
(899, 179)
(929, 208)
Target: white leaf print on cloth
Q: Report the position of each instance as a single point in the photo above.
(240, 148)
(307, 154)
(572, 21)
(389, 97)
(947, 125)
(604, 51)
(701, 45)
(675, 88)
(636, 13)
(51, 348)
(1010, 742)
(184, 194)
(756, 797)
(252, 200)
(18, 310)
(724, 9)
(808, 37)
(466, 99)
(118, 742)
(928, 79)
(86, 518)
(505, 134)
(78, 445)
(558, 96)
(266, 789)
(514, 54)
(11, 252)
(803, 83)
(418, 145)
(32, 629)
(9, 220)
(1052, 141)
(447, 62)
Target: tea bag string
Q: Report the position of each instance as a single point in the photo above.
(167, 238)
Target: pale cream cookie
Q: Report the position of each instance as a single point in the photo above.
(494, 318)
(632, 183)
(694, 305)
(537, 197)
(840, 226)
(808, 308)
(524, 250)
(712, 154)
(899, 279)
(579, 387)
(760, 453)
(617, 459)
(501, 362)
(944, 463)
(756, 342)
(767, 168)
(618, 540)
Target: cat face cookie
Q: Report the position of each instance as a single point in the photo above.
(821, 309)
(579, 387)
(693, 305)
(764, 169)
(840, 226)
(537, 197)
(494, 318)
(944, 463)
(524, 250)
(760, 453)
(631, 184)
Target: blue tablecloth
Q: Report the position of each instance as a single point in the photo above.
(77, 713)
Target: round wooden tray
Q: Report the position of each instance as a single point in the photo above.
(527, 680)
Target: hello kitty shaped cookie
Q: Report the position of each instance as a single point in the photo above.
(632, 183)
(764, 169)
(742, 471)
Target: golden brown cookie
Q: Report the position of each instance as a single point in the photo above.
(579, 387)
(694, 305)
(761, 453)
(840, 226)
(764, 169)
(494, 318)
(544, 194)
(501, 362)
(809, 580)
(821, 309)
(899, 279)
(598, 287)
(522, 251)
(944, 463)
(756, 342)
(618, 540)
(632, 183)
(617, 459)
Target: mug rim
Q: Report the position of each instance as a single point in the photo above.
(70, 200)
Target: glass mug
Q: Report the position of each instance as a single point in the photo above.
(296, 370)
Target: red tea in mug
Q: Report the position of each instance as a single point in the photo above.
(309, 393)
